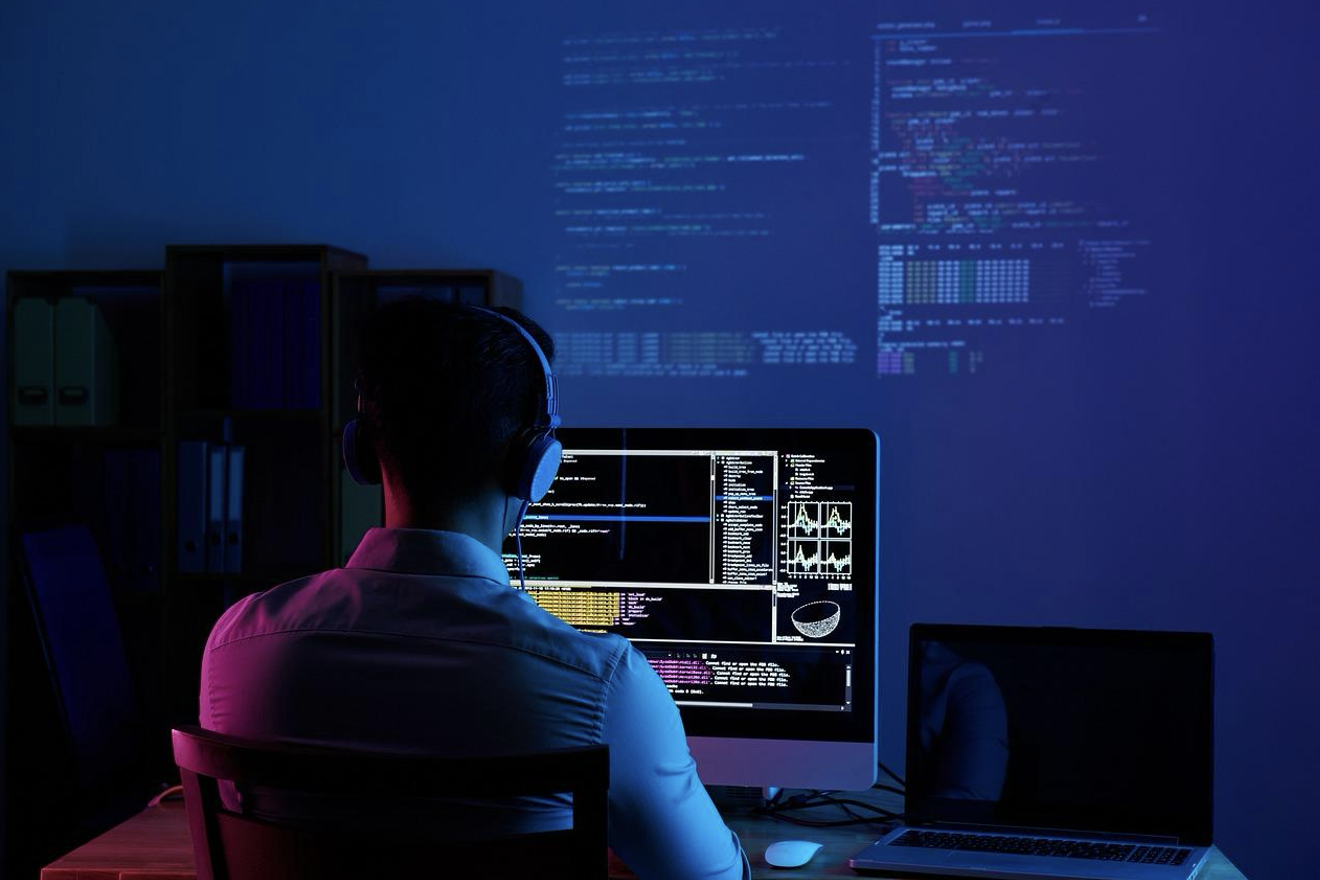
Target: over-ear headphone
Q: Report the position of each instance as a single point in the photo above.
(359, 458)
(534, 459)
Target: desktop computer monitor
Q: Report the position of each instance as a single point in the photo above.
(742, 563)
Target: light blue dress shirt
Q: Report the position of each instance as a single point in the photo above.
(419, 645)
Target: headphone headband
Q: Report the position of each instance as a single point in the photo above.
(551, 383)
(541, 455)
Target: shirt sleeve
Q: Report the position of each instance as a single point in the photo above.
(662, 822)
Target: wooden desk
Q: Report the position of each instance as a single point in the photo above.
(154, 845)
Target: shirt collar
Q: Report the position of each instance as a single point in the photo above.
(427, 551)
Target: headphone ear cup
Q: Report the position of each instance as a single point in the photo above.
(539, 466)
(359, 458)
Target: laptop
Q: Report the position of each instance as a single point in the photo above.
(1059, 753)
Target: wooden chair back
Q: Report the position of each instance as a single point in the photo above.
(232, 846)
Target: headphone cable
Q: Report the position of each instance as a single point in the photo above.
(517, 543)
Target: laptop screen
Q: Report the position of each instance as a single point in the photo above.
(1080, 730)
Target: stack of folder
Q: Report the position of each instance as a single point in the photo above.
(210, 507)
(65, 366)
(275, 336)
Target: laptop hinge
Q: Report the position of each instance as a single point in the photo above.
(1153, 839)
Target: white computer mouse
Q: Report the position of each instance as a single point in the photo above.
(790, 853)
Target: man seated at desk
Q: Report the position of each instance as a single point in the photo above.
(420, 645)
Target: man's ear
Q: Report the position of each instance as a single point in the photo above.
(512, 457)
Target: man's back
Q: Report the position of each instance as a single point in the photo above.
(419, 645)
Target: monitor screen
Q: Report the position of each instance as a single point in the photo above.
(1094, 730)
(741, 563)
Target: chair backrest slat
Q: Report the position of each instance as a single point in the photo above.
(227, 844)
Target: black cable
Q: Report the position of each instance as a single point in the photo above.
(842, 802)
(891, 774)
(882, 787)
(817, 798)
(883, 812)
(812, 799)
(851, 813)
(836, 824)
(795, 802)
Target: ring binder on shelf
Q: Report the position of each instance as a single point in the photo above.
(34, 362)
(192, 513)
(215, 506)
(234, 510)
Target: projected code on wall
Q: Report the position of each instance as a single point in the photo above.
(994, 159)
(684, 161)
(733, 202)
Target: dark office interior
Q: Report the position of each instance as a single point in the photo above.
(1057, 256)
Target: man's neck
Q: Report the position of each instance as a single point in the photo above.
(483, 517)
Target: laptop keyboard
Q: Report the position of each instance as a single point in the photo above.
(1044, 846)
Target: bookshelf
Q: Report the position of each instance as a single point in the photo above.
(234, 315)
(195, 352)
(60, 474)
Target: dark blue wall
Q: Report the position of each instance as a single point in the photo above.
(1156, 470)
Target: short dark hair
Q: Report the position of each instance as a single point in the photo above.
(446, 387)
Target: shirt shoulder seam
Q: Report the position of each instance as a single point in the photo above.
(387, 633)
(397, 571)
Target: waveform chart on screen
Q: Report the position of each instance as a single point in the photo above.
(818, 539)
(810, 518)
